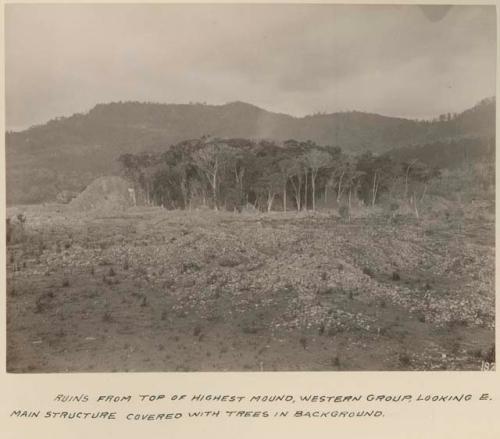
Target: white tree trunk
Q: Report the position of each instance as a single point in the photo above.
(284, 197)
(339, 191)
(313, 182)
(270, 199)
(374, 189)
(305, 192)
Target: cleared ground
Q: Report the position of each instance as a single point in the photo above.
(154, 290)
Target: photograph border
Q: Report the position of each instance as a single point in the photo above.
(454, 420)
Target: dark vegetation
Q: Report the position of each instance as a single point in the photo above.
(58, 159)
(233, 174)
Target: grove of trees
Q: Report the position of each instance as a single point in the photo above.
(233, 173)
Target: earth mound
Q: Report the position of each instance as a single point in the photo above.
(105, 194)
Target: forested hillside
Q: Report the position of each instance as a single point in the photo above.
(68, 153)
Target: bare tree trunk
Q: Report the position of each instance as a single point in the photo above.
(214, 188)
(146, 193)
(239, 180)
(423, 193)
(305, 192)
(374, 190)
(298, 201)
(284, 197)
(313, 182)
(270, 199)
(406, 177)
(184, 191)
(413, 200)
(339, 191)
(297, 187)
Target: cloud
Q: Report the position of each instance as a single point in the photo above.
(400, 60)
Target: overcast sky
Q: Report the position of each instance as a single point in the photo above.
(296, 59)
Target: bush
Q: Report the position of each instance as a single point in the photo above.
(21, 218)
(8, 229)
(39, 306)
(107, 318)
(336, 361)
(490, 355)
(344, 212)
(303, 342)
(190, 266)
(15, 232)
(368, 271)
(404, 359)
(228, 261)
(393, 207)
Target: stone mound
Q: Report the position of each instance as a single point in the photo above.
(104, 194)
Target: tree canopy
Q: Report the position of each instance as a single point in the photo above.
(231, 173)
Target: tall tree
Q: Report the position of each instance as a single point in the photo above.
(285, 167)
(316, 160)
(211, 161)
(296, 177)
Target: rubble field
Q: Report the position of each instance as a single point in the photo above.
(146, 289)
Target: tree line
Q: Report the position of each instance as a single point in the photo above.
(233, 173)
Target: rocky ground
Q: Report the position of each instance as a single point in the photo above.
(153, 290)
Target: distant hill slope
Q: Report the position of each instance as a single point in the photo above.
(449, 154)
(69, 152)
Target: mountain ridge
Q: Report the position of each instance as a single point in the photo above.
(227, 104)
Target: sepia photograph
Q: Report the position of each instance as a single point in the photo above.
(250, 187)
